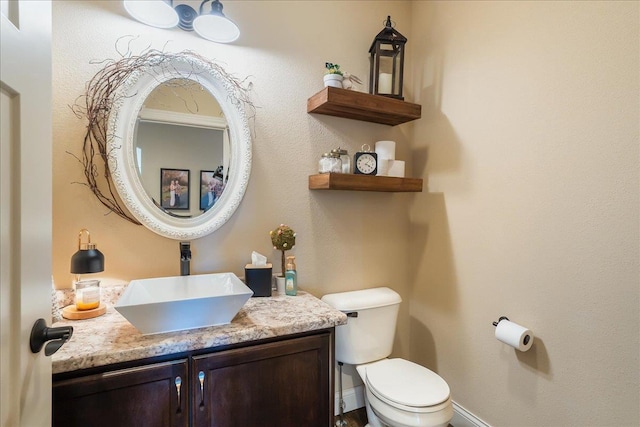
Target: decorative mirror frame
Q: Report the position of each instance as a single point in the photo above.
(127, 97)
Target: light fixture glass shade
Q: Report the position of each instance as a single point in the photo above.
(216, 28)
(156, 13)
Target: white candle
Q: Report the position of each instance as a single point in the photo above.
(384, 83)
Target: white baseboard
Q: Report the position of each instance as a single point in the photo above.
(464, 418)
(353, 399)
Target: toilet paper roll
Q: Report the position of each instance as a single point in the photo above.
(514, 335)
(386, 150)
(396, 168)
(383, 167)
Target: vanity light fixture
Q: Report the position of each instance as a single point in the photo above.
(213, 25)
(156, 13)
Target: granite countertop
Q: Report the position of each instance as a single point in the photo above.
(111, 338)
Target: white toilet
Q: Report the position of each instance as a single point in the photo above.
(398, 393)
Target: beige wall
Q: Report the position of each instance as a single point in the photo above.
(529, 141)
(345, 240)
(529, 150)
(186, 97)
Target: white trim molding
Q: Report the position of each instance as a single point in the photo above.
(353, 399)
(464, 418)
(182, 119)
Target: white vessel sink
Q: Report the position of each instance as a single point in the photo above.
(168, 304)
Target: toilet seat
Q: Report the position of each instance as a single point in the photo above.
(407, 385)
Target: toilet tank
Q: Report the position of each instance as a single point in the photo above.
(368, 335)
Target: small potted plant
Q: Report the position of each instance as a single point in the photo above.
(333, 76)
(283, 239)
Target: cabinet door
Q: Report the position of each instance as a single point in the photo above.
(143, 396)
(281, 384)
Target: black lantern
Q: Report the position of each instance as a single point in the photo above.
(387, 62)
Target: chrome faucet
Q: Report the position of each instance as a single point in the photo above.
(185, 258)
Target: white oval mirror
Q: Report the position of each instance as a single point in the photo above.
(181, 171)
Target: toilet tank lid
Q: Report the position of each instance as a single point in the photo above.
(363, 299)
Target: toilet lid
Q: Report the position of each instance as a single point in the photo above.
(406, 383)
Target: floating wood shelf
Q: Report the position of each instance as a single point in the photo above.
(345, 181)
(362, 106)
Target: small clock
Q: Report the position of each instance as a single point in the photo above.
(365, 162)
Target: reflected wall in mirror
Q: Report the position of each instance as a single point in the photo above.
(160, 111)
(181, 125)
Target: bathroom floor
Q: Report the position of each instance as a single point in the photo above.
(357, 418)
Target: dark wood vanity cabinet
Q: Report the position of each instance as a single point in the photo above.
(141, 396)
(279, 384)
(287, 382)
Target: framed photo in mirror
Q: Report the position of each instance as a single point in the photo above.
(211, 187)
(174, 188)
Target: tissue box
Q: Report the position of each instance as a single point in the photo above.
(258, 279)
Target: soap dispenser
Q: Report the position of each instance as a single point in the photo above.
(291, 277)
